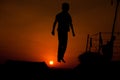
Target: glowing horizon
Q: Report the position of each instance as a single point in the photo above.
(25, 28)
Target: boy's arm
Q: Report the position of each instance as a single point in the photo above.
(54, 25)
(71, 25)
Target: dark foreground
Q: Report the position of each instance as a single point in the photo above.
(18, 70)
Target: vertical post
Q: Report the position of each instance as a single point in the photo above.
(87, 43)
(113, 27)
(90, 44)
(100, 42)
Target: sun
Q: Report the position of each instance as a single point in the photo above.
(51, 62)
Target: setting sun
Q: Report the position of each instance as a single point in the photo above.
(51, 62)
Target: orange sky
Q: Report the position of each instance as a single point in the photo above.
(25, 28)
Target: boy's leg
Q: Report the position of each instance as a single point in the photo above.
(60, 46)
(59, 52)
(64, 45)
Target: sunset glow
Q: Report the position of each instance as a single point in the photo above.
(26, 25)
(51, 62)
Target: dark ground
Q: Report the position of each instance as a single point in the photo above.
(19, 70)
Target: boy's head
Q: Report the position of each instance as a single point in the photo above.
(65, 7)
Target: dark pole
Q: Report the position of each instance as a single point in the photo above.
(100, 42)
(90, 45)
(87, 43)
(113, 28)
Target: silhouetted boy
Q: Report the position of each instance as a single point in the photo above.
(64, 23)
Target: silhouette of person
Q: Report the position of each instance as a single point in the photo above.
(64, 21)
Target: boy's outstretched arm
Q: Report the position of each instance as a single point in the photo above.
(54, 25)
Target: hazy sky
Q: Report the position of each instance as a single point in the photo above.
(25, 28)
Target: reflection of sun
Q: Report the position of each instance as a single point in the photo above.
(51, 62)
